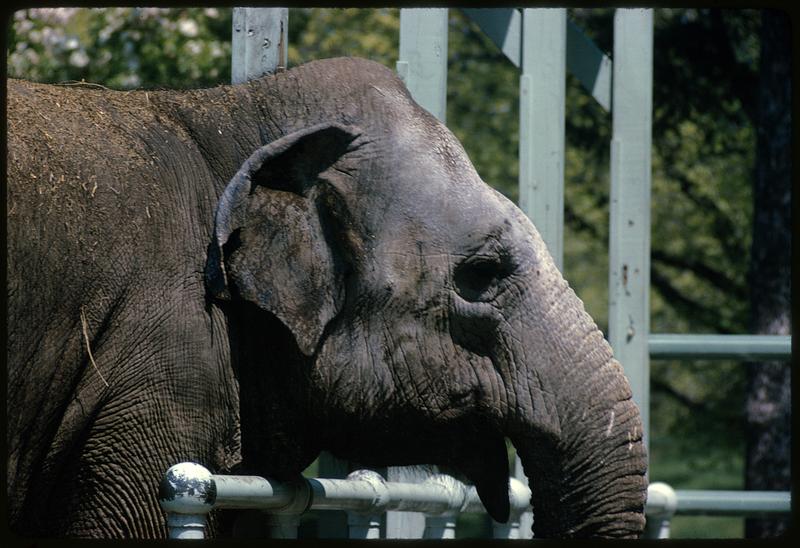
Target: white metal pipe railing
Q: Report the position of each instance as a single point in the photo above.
(733, 503)
(189, 492)
(741, 347)
(663, 503)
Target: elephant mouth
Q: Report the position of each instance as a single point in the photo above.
(469, 446)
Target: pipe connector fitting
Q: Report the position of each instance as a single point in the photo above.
(456, 493)
(301, 498)
(377, 484)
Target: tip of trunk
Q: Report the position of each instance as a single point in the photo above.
(589, 489)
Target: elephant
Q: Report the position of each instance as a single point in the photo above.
(247, 275)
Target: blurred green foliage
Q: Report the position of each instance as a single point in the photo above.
(705, 81)
(122, 48)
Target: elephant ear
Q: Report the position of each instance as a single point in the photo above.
(270, 245)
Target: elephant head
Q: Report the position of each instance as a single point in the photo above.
(426, 320)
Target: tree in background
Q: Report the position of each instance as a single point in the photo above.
(707, 73)
(122, 48)
(769, 398)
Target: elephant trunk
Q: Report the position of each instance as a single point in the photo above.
(575, 426)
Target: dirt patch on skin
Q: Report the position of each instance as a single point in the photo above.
(66, 127)
(68, 133)
(63, 137)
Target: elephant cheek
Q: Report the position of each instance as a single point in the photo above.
(347, 383)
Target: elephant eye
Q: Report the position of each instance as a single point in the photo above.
(475, 277)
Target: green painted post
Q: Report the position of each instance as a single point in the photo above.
(629, 245)
(259, 43)
(423, 57)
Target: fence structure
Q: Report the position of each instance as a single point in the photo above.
(543, 43)
(189, 492)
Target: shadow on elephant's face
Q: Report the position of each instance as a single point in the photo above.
(400, 311)
(435, 265)
(391, 264)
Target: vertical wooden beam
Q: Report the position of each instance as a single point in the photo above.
(422, 65)
(332, 523)
(629, 245)
(259, 43)
(406, 524)
(259, 46)
(541, 141)
(589, 64)
(541, 150)
(423, 57)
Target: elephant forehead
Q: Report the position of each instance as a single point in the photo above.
(443, 218)
(433, 184)
(420, 194)
(429, 145)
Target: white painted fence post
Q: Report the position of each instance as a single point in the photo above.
(363, 526)
(443, 525)
(406, 524)
(367, 524)
(422, 65)
(422, 61)
(332, 524)
(662, 497)
(629, 238)
(521, 518)
(542, 89)
(283, 526)
(440, 527)
(541, 142)
(259, 42)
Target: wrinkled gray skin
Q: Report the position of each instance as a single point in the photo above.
(304, 262)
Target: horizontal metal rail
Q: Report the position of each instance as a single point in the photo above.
(189, 492)
(717, 347)
(733, 503)
(690, 502)
(663, 503)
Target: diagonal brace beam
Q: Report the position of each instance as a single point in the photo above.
(585, 60)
